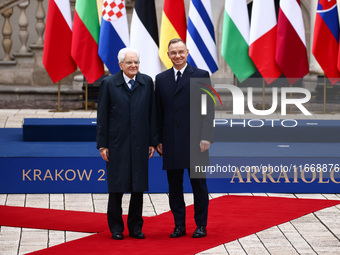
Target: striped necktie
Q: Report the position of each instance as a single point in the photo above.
(132, 82)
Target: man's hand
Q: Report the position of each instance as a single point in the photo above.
(151, 151)
(204, 145)
(104, 152)
(160, 149)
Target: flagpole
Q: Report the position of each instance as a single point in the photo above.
(86, 94)
(59, 85)
(59, 100)
(291, 96)
(263, 94)
(324, 93)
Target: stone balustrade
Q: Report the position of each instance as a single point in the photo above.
(22, 65)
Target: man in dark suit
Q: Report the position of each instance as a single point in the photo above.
(126, 137)
(173, 116)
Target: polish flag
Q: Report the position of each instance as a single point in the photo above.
(263, 39)
(291, 51)
(58, 37)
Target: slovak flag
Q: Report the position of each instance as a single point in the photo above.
(326, 38)
(114, 33)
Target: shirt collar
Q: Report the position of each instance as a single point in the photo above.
(127, 79)
(182, 70)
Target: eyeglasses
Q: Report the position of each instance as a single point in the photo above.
(129, 63)
(174, 53)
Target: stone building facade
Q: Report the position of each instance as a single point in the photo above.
(23, 24)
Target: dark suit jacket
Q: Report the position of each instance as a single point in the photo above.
(174, 111)
(126, 124)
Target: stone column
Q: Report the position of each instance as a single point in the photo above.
(24, 56)
(39, 76)
(7, 35)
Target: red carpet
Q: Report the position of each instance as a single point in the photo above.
(26, 217)
(230, 218)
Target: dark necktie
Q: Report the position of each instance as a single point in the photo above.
(179, 75)
(132, 82)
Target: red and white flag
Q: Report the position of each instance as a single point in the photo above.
(291, 51)
(263, 31)
(58, 37)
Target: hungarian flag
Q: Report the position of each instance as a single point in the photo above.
(235, 39)
(85, 40)
(326, 38)
(114, 33)
(291, 52)
(263, 39)
(173, 26)
(144, 36)
(58, 38)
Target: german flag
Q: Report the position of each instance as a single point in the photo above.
(173, 26)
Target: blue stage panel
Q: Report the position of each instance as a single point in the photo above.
(64, 175)
(66, 129)
(274, 174)
(87, 175)
(76, 167)
(262, 130)
(226, 130)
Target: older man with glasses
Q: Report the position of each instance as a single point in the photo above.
(126, 137)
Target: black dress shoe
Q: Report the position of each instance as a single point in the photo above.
(200, 231)
(138, 234)
(178, 232)
(117, 236)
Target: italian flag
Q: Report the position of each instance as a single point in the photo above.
(235, 39)
(263, 39)
(173, 26)
(85, 40)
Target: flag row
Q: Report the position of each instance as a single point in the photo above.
(271, 45)
(91, 42)
(277, 45)
(274, 45)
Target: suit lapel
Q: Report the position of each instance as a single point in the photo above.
(170, 78)
(185, 78)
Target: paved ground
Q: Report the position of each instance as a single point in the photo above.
(315, 233)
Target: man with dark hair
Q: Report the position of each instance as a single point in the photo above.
(126, 137)
(173, 116)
